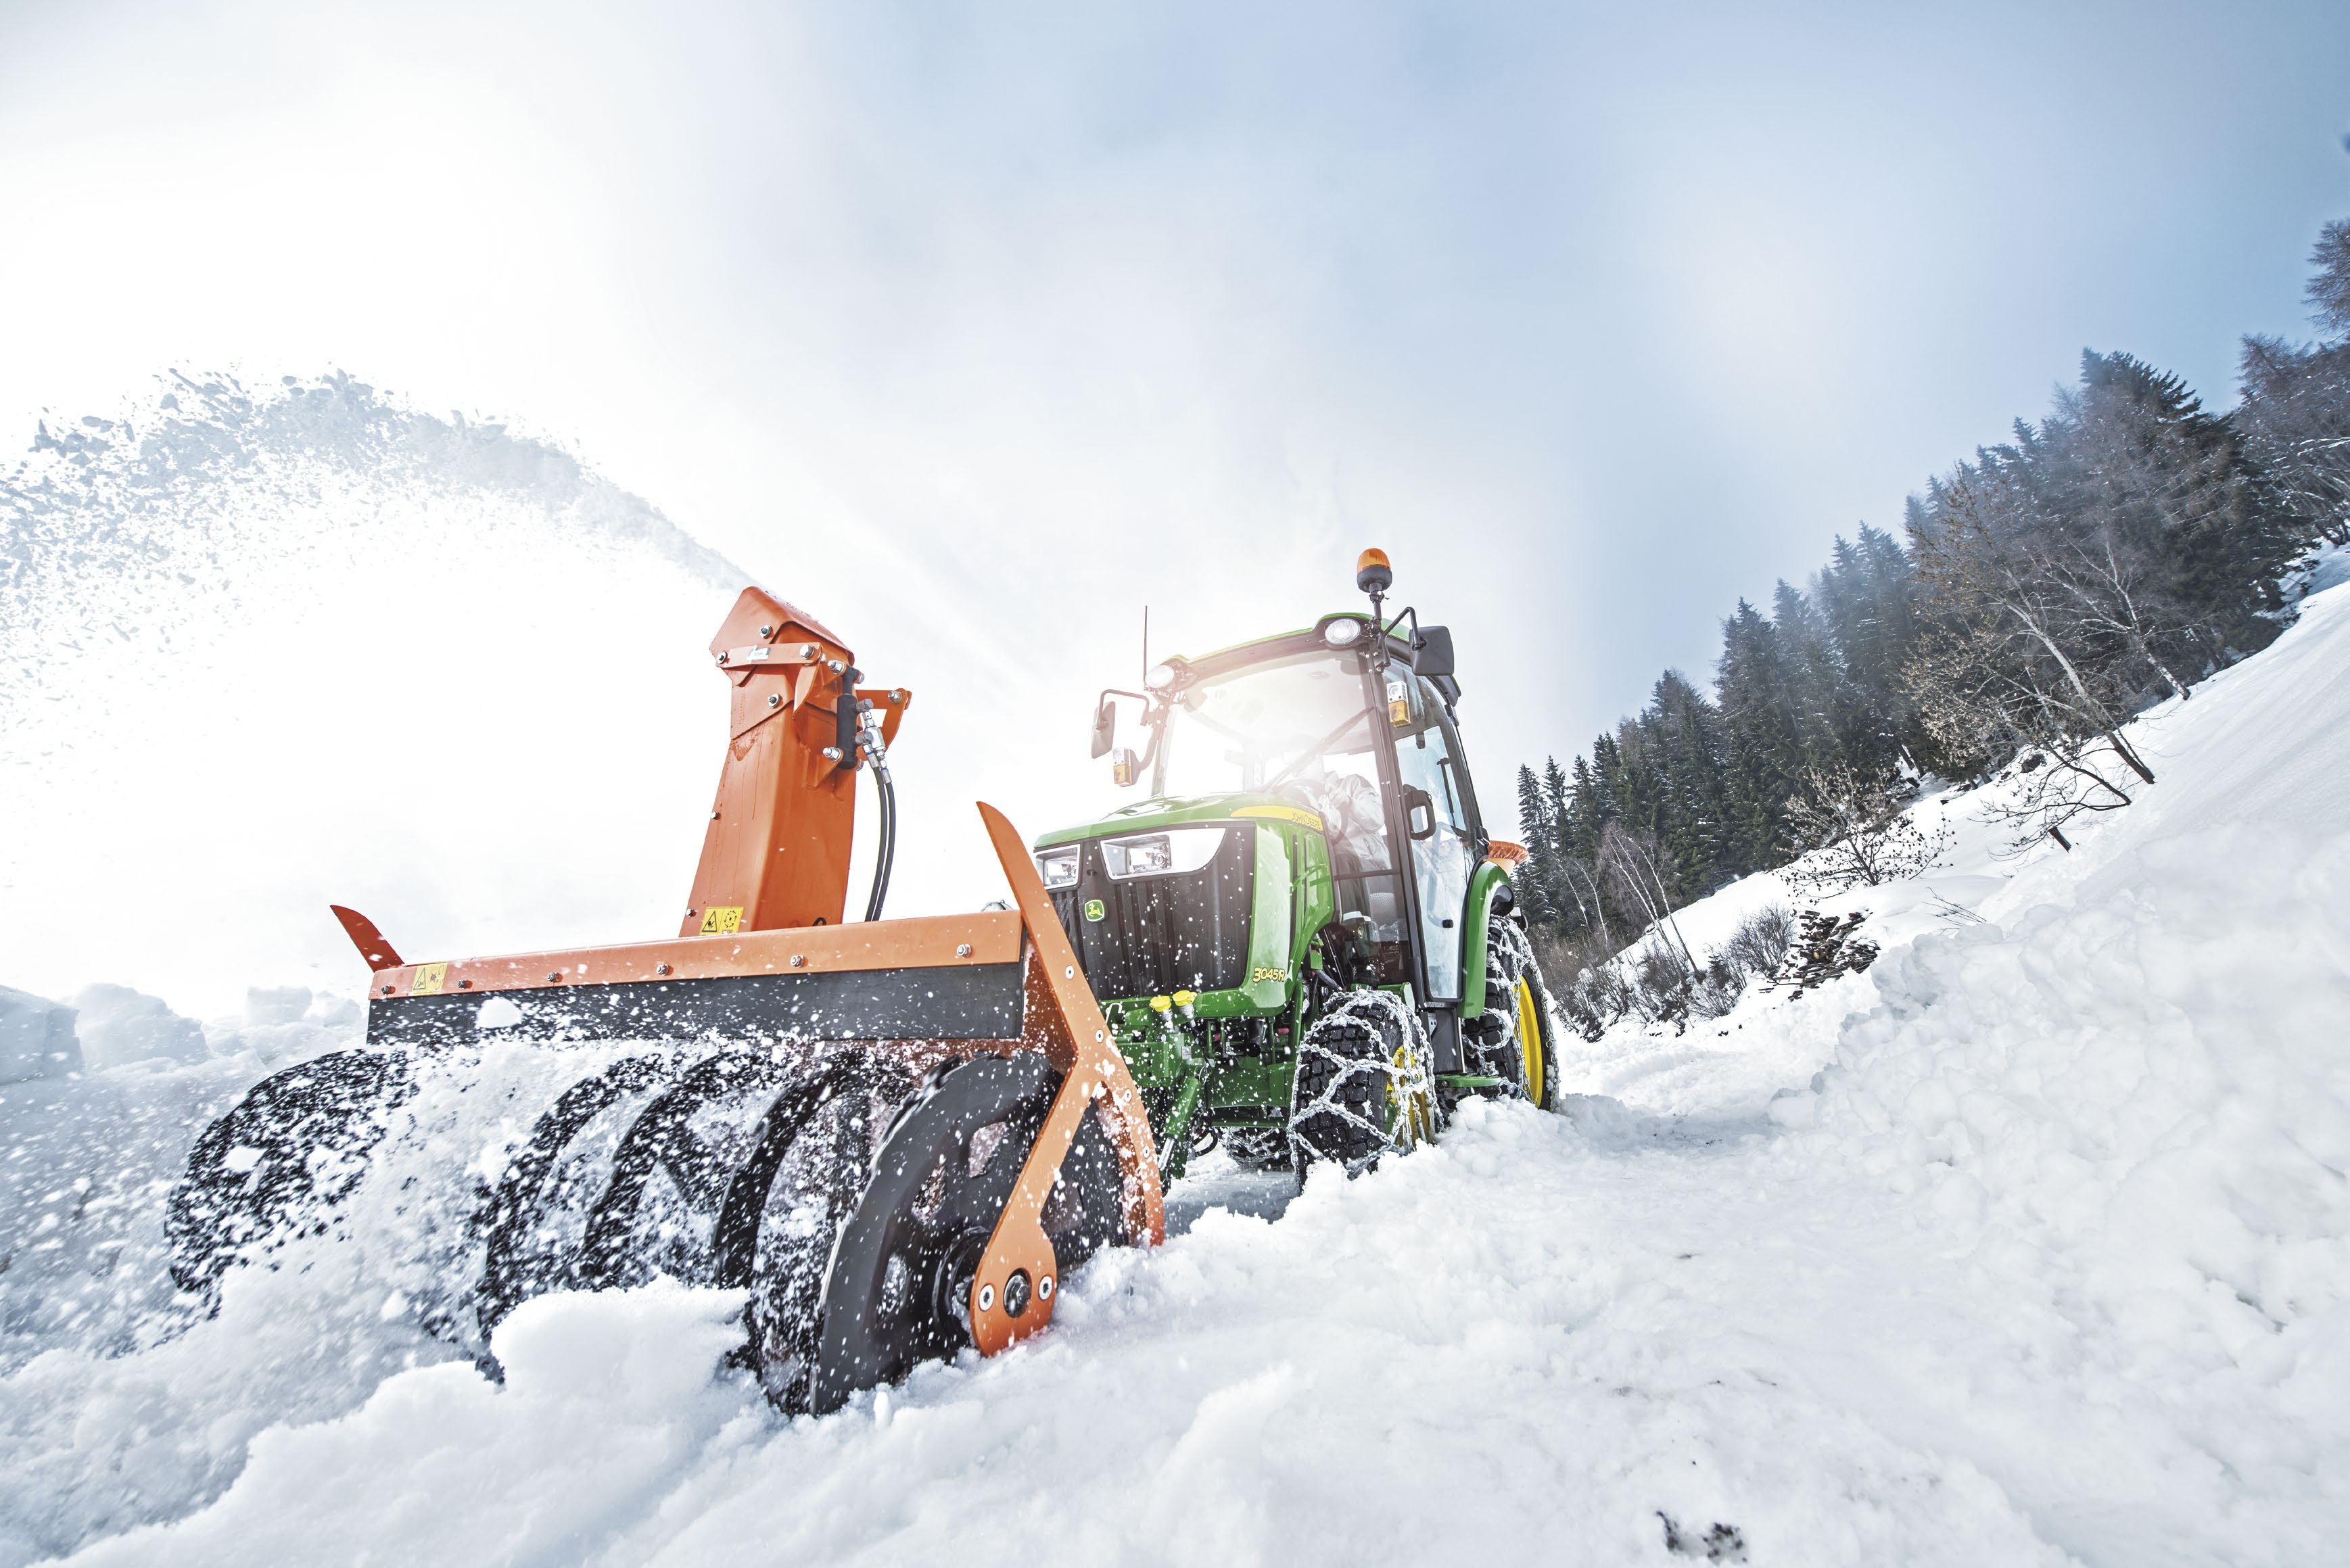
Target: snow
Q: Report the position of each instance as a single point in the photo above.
(2032, 1244)
(634, 1375)
(37, 1038)
(1180, 1409)
(245, 633)
(117, 1026)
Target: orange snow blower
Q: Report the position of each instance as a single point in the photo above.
(895, 1135)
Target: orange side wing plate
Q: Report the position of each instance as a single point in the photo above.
(1065, 1021)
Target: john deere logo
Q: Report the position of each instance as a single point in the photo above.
(1094, 910)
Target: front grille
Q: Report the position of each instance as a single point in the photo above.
(1158, 935)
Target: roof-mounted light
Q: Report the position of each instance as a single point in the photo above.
(1342, 631)
(1161, 678)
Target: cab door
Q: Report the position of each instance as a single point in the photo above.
(1439, 823)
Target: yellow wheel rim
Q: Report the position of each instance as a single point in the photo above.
(1530, 1051)
(1415, 1119)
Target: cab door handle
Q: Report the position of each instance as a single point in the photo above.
(1416, 802)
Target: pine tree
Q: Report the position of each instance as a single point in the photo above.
(1538, 830)
(1765, 741)
(2295, 413)
(1694, 821)
(2329, 282)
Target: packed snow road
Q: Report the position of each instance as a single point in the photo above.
(2030, 1245)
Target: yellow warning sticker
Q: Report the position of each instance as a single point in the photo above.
(1296, 814)
(429, 979)
(721, 919)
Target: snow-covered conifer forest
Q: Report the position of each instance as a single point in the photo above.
(2113, 556)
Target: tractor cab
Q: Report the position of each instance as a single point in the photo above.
(1309, 828)
(1367, 746)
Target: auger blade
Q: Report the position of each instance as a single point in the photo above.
(277, 1165)
(898, 1291)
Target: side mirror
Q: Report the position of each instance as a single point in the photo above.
(1125, 768)
(1433, 657)
(1105, 726)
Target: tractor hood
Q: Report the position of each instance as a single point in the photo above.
(1175, 811)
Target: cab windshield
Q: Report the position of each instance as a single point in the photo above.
(1265, 726)
(1299, 728)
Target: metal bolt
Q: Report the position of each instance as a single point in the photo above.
(799, 960)
(1015, 1294)
(1044, 1287)
(723, 658)
(1070, 972)
(897, 698)
(808, 651)
(690, 913)
(555, 974)
(661, 969)
(832, 754)
(465, 985)
(962, 949)
(387, 990)
(835, 665)
(1098, 1036)
(766, 631)
(713, 817)
(775, 699)
(986, 1298)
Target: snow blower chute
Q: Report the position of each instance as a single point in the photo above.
(897, 1135)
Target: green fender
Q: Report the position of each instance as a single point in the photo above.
(1488, 876)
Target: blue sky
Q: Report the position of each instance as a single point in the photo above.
(977, 327)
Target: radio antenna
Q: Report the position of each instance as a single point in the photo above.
(1145, 646)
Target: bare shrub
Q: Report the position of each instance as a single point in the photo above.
(2053, 786)
(1759, 943)
(1586, 981)
(1851, 832)
(1656, 982)
(1717, 991)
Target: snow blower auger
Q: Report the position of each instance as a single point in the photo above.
(897, 1136)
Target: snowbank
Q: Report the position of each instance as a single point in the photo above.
(117, 1026)
(2133, 1112)
(606, 1399)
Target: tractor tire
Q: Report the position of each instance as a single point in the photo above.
(1514, 1039)
(1364, 1087)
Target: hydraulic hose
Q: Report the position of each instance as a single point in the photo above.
(886, 847)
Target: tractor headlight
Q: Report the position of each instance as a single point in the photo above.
(1058, 867)
(1159, 678)
(1167, 854)
(1342, 631)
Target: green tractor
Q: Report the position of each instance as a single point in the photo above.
(1303, 938)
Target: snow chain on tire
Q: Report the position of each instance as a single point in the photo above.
(1366, 1054)
(1510, 959)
